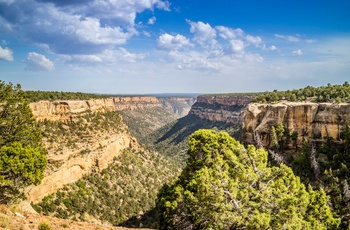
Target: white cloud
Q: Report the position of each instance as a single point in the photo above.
(229, 33)
(255, 40)
(298, 52)
(288, 38)
(107, 57)
(272, 47)
(121, 12)
(211, 54)
(6, 54)
(85, 28)
(237, 46)
(38, 62)
(151, 21)
(204, 34)
(170, 42)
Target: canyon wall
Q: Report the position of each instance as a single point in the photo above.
(70, 166)
(307, 119)
(67, 164)
(180, 106)
(228, 109)
(312, 120)
(66, 109)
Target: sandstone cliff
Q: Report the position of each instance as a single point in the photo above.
(227, 109)
(70, 164)
(177, 105)
(135, 102)
(312, 120)
(87, 150)
(65, 110)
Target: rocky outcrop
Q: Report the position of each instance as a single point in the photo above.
(135, 102)
(64, 110)
(177, 105)
(73, 164)
(227, 109)
(312, 120)
(95, 150)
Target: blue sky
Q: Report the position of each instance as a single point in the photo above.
(175, 46)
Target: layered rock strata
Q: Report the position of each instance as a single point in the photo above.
(227, 109)
(180, 106)
(64, 110)
(67, 165)
(72, 165)
(311, 120)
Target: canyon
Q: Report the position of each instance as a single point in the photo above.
(307, 119)
(66, 109)
(227, 109)
(69, 164)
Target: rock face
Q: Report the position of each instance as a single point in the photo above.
(312, 120)
(133, 103)
(67, 165)
(178, 105)
(71, 166)
(64, 110)
(228, 109)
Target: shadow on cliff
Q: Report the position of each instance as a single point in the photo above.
(147, 220)
(179, 131)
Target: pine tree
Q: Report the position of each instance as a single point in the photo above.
(22, 155)
(226, 186)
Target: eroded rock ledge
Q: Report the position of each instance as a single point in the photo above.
(72, 165)
(228, 109)
(312, 120)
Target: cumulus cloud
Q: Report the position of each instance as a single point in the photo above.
(298, 52)
(272, 47)
(212, 48)
(255, 40)
(107, 57)
(170, 42)
(151, 21)
(38, 62)
(74, 27)
(204, 34)
(6, 54)
(229, 33)
(288, 37)
(237, 46)
(121, 12)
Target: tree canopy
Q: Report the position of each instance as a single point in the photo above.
(329, 93)
(22, 155)
(227, 186)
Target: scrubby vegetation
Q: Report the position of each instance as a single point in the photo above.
(329, 93)
(22, 155)
(227, 186)
(328, 167)
(122, 194)
(34, 96)
(247, 94)
(142, 123)
(80, 130)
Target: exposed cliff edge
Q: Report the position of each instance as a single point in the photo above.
(65, 109)
(72, 165)
(180, 106)
(312, 120)
(227, 109)
(91, 150)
